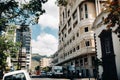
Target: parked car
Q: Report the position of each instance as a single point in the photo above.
(49, 74)
(43, 74)
(17, 75)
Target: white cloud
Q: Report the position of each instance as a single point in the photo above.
(46, 44)
(50, 18)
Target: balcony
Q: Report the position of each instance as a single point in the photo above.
(87, 50)
(23, 64)
(82, 51)
(86, 22)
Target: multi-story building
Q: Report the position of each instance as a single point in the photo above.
(23, 35)
(76, 39)
(34, 62)
(45, 62)
(107, 47)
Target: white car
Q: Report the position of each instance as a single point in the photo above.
(17, 75)
(49, 74)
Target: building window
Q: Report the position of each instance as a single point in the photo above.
(70, 40)
(69, 31)
(86, 11)
(73, 49)
(73, 37)
(63, 16)
(68, 43)
(81, 62)
(77, 34)
(87, 43)
(62, 39)
(107, 45)
(75, 24)
(75, 14)
(87, 73)
(93, 60)
(78, 47)
(65, 35)
(85, 59)
(86, 29)
(69, 22)
(68, 13)
(81, 12)
(68, 53)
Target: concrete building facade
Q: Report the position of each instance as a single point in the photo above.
(76, 38)
(107, 48)
(45, 62)
(23, 35)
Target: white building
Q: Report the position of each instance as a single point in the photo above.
(108, 49)
(45, 62)
(76, 38)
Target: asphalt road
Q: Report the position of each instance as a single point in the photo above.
(47, 79)
(43, 78)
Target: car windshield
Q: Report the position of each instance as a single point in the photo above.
(19, 76)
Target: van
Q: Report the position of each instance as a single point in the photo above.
(17, 75)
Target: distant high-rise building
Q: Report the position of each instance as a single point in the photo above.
(23, 35)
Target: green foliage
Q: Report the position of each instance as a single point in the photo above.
(37, 58)
(3, 51)
(113, 17)
(61, 2)
(12, 11)
(7, 48)
(47, 69)
(37, 68)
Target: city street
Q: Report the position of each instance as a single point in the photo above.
(48, 79)
(39, 78)
(59, 79)
(34, 77)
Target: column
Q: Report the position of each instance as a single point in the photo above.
(96, 6)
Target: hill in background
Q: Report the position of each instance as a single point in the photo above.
(37, 57)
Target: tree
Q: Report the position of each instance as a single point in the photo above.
(20, 12)
(5, 51)
(61, 2)
(37, 68)
(46, 69)
(113, 18)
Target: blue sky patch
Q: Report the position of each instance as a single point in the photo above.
(37, 30)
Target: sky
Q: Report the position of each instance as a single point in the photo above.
(45, 33)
